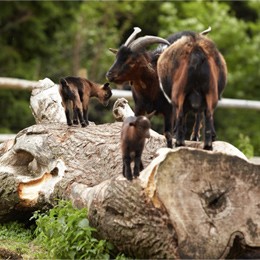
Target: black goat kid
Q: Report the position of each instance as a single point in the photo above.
(134, 132)
(79, 91)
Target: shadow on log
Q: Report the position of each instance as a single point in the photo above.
(186, 203)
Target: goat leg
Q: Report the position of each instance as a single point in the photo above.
(85, 116)
(75, 117)
(141, 166)
(195, 136)
(67, 113)
(180, 126)
(168, 121)
(127, 168)
(82, 121)
(138, 162)
(208, 130)
(214, 134)
(168, 136)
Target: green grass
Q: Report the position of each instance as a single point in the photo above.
(16, 237)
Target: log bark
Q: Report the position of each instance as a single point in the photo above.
(186, 203)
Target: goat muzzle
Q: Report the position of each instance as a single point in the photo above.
(148, 135)
(110, 76)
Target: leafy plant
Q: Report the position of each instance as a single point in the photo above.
(65, 231)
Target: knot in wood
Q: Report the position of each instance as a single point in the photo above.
(214, 201)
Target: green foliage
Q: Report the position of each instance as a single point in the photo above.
(245, 146)
(28, 36)
(15, 113)
(65, 231)
(230, 123)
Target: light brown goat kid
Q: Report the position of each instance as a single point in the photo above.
(79, 91)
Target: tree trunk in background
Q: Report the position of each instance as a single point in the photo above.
(187, 203)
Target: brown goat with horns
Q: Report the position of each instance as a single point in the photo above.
(79, 91)
(138, 66)
(193, 74)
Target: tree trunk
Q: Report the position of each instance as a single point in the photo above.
(186, 203)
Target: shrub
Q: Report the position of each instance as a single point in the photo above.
(65, 231)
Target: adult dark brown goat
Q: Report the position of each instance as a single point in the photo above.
(134, 132)
(79, 91)
(138, 66)
(193, 74)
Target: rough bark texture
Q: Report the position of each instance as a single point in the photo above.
(210, 204)
(187, 203)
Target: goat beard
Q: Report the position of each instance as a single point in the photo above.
(119, 84)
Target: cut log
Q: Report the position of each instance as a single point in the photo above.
(186, 203)
(46, 103)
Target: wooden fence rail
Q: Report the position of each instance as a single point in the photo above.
(11, 83)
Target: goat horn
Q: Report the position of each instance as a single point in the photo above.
(206, 31)
(142, 42)
(132, 36)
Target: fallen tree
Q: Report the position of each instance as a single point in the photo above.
(187, 203)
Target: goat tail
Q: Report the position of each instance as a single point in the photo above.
(66, 91)
(196, 59)
(198, 75)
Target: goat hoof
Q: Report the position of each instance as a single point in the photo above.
(69, 124)
(208, 147)
(177, 144)
(214, 138)
(84, 124)
(75, 122)
(169, 145)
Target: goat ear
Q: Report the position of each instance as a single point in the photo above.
(151, 114)
(132, 123)
(113, 51)
(106, 86)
